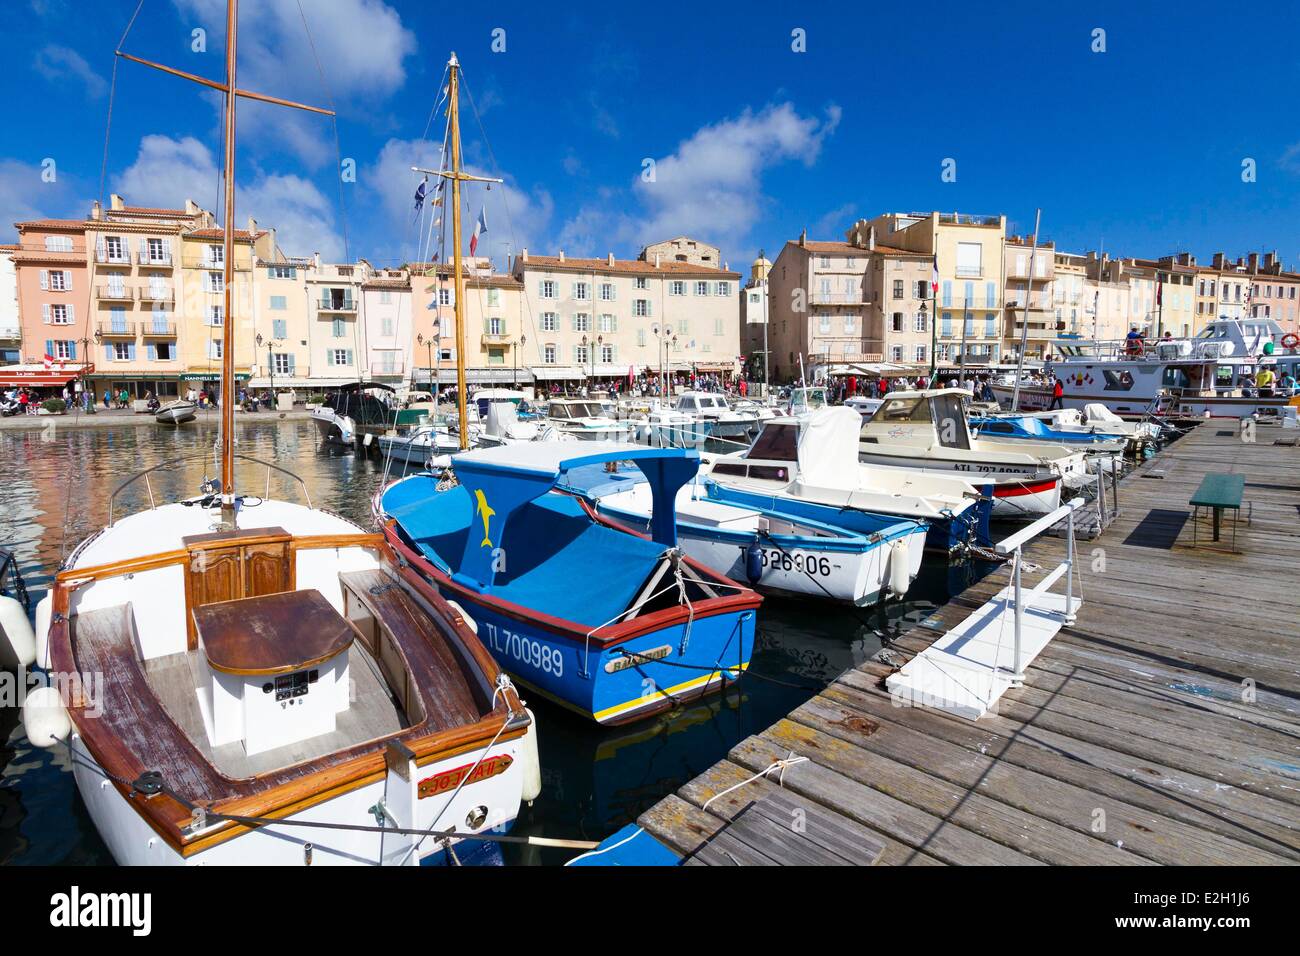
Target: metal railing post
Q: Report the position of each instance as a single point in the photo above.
(1069, 571)
(1017, 676)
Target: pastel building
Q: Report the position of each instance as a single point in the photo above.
(386, 324)
(10, 327)
(337, 339)
(499, 350)
(282, 325)
(1030, 296)
(51, 274)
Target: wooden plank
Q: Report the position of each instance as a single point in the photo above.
(679, 825)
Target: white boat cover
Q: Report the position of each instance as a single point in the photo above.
(828, 448)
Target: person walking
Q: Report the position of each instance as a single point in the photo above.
(1058, 394)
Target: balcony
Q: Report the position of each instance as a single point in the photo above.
(158, 330)
(496, 338)
(117, 330)
(387, 368)
(338, 304)
(212, 265)
(107, 258)
(163, 261)
(157, 294)
(838, 298)
(844, 358)
(112, 293)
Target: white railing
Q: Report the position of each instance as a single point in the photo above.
(1012, 546)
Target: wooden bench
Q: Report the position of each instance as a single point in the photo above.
(1218, 491)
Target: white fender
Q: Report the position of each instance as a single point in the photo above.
(900, 575)
(44, 611)
(532, 763)
(45, 719)
(473, 625)
(18, 646)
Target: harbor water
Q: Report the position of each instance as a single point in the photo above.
(55, 488)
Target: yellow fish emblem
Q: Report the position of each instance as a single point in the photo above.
(483, 508)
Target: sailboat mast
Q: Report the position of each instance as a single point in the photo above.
(228, 272)
(453, 117)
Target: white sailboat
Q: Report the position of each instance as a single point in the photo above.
(272, 685)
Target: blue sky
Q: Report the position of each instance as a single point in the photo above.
(1140, 147)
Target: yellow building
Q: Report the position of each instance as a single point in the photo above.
(201, 302)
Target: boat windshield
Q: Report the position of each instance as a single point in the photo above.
(575, 410)
(808, 398)
(776, 442)
(1214, 332)
(903, 410)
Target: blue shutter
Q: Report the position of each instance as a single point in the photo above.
(108, 353)
(292, 364)
(349, 361)
(947, 323)
(329, 356)
(988, 325)
(49, 347)
(969, 289)
(130, 351)
(72, 351)
(990, 295)
(947, 293)
(151, 352)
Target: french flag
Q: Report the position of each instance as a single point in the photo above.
(934, 276)
(480, 227)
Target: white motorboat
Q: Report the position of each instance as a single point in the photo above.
(358, 404)
(724, 421)
(864, 406)
(775, 553)
(176, 413)
(927, 430)
(501, 425)
(243, 680)
(585, 419)
(807, 467)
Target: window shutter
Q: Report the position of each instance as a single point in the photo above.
(45, 280)
(108, 353)
(72, 351)
(45, 313)
(49, 347)
(101, 248)
(291, 363)
(613, 323)
(151, 352)
(349, 357)
(72, 313)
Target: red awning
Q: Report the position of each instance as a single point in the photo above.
(38, 376)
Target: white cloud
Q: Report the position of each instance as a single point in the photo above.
(834, 224)
(24, 194)
(361, 45)
(168, 171)
(60, 63)
(709, 187)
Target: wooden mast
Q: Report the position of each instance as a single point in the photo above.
(227, 433)
(458, 301)
(457, 267)
(228, 284)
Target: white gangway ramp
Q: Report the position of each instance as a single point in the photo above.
(969, 668)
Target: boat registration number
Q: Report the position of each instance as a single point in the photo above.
(526, 650)
(778, 560)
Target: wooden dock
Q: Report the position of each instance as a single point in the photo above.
(1163, 727)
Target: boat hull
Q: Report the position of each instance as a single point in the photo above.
(176, 413)
(333, 429)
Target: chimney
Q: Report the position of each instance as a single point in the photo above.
(871, 239)
(96, 210)
(252, 226)
(315, 258)
(803, 237)
(657, 255)
(611, 260)
(1254, 262)
(116, 202)
(1219, 261)
(191, 207)
(523, 255)
(561, 255)
(1270, 260)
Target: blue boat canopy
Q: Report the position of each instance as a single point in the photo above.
(502, 480)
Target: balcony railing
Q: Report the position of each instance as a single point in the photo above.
(838, 298)
(155, 294)
(110, 293)
(212, 265)
(163, 261)
(117, 330)
(165, 330)
(346, 304)
(496, 338)
(387, 368)
(104, 257)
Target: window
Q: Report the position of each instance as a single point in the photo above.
(386, 327)
(63, 349)
(607, 353)
(990, 295)
(989, 327)
(970, 259)
(896, 353)
(921, 322)
(279, 329)
(581, 291)
(444, 296)
(920, 288)
(494, 298)
(548, 354)
(717, 326)
(60, 315)
(580, 354)
(824, 262)
(280, 272)
(496, 326)
(163, 351)
(113, 249)
(216, 282)
(581, 322)
(641, 282)
(850, 325)
(607, 292)
(340, 356)
(550, 321)
(216, 256)
(701, 288)
(920, 353)
(824, 324)
(898, 288)
(58, 243)
(216, 314)
(607, 323)
(214, 348)
(385, 297)
(282, 362)
(896, 324)
(279, 303)
(122, 351)
(546, 290)
(946, 327)
(641, 307)
(724, 288)
(60, 281)
(677, 287)
(640, 338)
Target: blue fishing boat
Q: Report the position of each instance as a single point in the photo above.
(607, 622)
(1030, 427)
(773, 552)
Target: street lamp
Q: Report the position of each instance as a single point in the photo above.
(270, 365)
(515, 346)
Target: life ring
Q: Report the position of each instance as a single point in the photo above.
(1290, 340)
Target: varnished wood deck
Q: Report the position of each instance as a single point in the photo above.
(1163, 727)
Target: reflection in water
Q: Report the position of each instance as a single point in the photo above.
(54, 490)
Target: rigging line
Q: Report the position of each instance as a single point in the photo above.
(334, 122)
(103, 172)
(505, 205)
